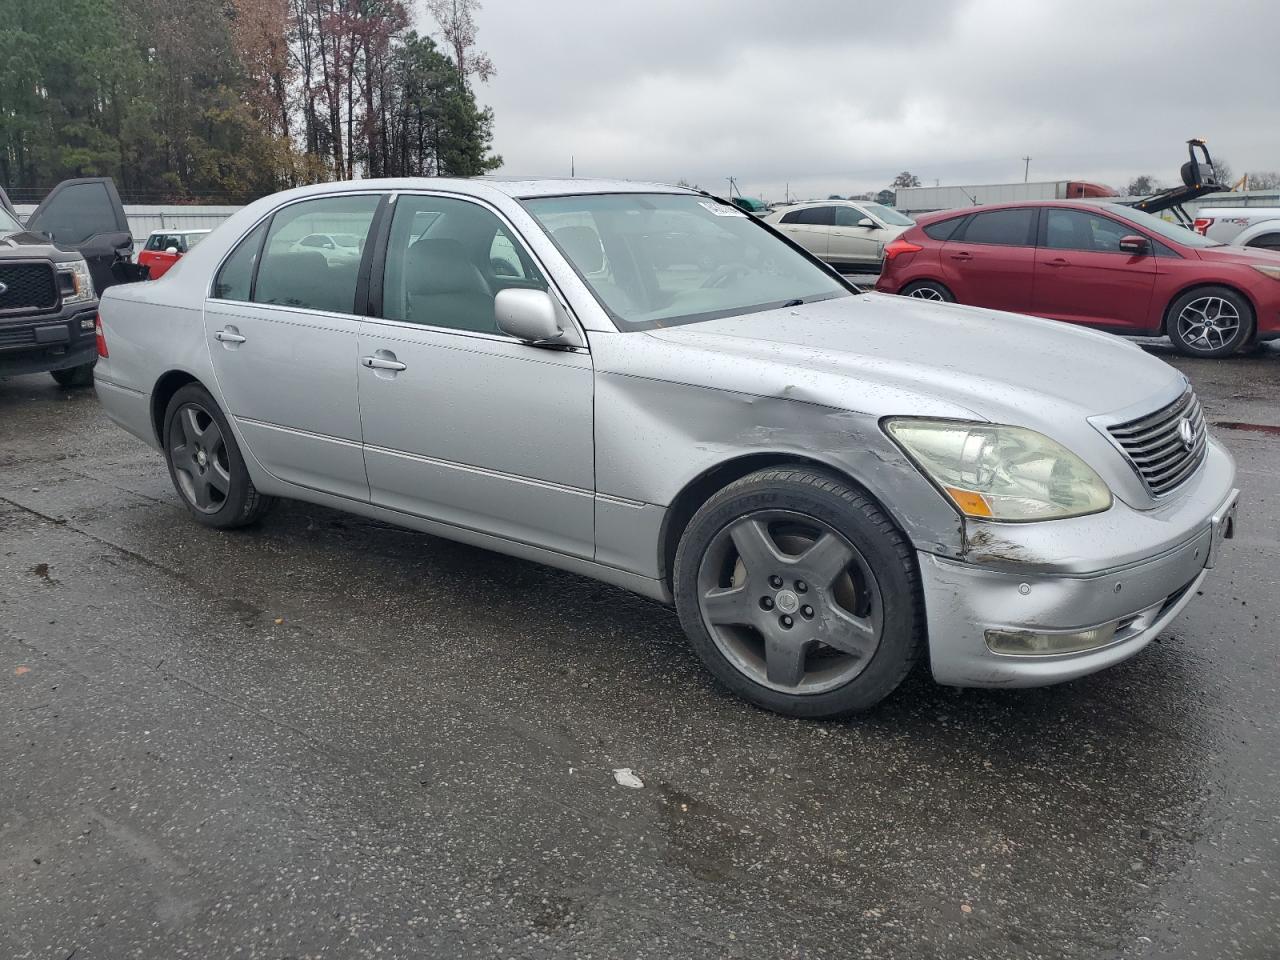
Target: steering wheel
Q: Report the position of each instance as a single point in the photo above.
(723, 273)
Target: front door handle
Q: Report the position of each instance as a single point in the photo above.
(1058, 262)
(228, 336)
(378, 363)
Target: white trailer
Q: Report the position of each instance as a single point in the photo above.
(926, 199)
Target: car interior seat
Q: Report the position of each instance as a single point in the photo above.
(443, 287)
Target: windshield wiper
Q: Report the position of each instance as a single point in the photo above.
(798, 302)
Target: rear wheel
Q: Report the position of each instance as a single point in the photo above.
(205, 463)
(799, 594)
(81, 376)
(928, 290)
(1210, 322)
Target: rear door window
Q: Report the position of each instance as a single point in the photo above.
(235, 279)
(1009, 228)
(294, 272)
(943, 229)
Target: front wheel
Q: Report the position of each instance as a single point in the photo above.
(81, 376)
(928, 290)
(205, 463)
(1210, 322)
(800, 594)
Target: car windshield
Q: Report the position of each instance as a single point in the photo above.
(346, 240)
(1162, 228)
(8, 224)
(888, 215)
(660, 259)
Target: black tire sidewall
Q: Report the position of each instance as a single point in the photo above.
(1243, 337)
(947, 295)
(80, 376)
(885, 549)
(237, 508)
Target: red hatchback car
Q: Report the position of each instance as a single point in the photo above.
(1104, 265)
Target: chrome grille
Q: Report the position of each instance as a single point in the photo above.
(1156, 445)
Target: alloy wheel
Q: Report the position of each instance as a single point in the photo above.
(198, 453)
(1208, 323)
(790, 602)
(927, 293)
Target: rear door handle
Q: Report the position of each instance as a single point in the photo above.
(1058, 262)
(228, 336)
(961, 256)
(378, 363)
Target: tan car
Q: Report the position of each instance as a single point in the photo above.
(848, 234)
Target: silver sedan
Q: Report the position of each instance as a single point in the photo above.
(644, 385)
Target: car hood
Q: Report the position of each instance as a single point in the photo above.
(883, 355)
(997, 365)
(27, 245)
(1234, 254)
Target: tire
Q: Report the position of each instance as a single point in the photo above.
(1210, 322)
(205, 463)
(842, 574)
(81, 376)
(928, 290)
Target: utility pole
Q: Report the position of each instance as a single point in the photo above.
(572, 172)
(1026, 170)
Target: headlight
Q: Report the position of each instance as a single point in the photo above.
(1271, 271)
(1001, 473)
(75, 282)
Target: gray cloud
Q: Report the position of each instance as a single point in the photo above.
(839, 96)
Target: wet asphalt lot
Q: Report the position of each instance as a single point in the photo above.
(330, 738)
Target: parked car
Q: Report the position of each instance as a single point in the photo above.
(1100, 264)
(1263, 235)
(1226, 224)
(164, 248)
(823, 483)
(848, 234)
(337, 249)
(51, 272)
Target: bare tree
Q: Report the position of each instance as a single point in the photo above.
(1265, 180)
(457, 22)
(1142, 186)
(1222, 170)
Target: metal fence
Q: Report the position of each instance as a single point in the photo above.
(145, 218)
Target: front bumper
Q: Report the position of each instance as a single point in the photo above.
(965, 600)
(53, 341)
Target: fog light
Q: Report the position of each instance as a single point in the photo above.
(86, 323)
(1034, 643)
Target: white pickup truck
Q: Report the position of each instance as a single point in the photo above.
(1241, 226)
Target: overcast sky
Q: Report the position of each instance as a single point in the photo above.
(837, 96)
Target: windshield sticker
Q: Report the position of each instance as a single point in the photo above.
(720, 209)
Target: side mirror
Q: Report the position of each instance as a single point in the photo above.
(170, 249)
(532, 316)
(1134, 244)
(867, 222)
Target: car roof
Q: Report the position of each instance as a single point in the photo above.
(1082, 203)
(169, 231)
(522, 187)
(800, 204)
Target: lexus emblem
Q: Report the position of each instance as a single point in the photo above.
(1187, 433)
(4, 288)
